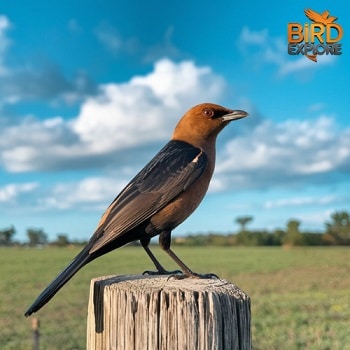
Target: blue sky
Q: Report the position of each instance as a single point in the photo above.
(88, 94)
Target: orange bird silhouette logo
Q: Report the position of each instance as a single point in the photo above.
(323, 18)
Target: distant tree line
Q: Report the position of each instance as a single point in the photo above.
(36, 237)
(337, 232)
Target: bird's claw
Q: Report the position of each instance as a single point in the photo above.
(163, 272)
(194, 275)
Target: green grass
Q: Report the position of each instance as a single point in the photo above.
(300, 297)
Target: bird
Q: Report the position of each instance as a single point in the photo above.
(323, 18)
(159, 198)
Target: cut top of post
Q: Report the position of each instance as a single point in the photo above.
(158, 312)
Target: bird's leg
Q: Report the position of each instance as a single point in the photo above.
(164, 242)
(160, 269)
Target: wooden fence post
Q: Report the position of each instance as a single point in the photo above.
(36, 334)
(157, 312)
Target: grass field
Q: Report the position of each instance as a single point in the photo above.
(300, 296)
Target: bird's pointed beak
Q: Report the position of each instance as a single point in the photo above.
(234, 115)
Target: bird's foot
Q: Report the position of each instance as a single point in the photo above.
(163, 272)
(191, 274)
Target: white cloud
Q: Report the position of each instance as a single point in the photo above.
(284, 154)
(110, 38)
(146, 108)
(301, 201)
(181, 84)
(301, 64)
(124, 124)
(89, 193)
(315, 218)
(260, 47)
(117, 44)
(316, 107)
(10, 192)
(134, 114)
(25, 146)
(248, 36)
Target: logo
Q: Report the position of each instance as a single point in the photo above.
(320, 37)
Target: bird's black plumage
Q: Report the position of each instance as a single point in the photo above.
(169, 173)
(177, 165)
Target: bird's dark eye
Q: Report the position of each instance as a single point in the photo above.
(208, 112)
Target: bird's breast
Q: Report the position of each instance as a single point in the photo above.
(184, 204)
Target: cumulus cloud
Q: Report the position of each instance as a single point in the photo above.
(260, 48)
(124, 124)
(133, 114)
(10, 192)
(88, 194)
(291, 153)
(26, 145)
(283, 154)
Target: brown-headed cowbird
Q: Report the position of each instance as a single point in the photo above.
(159, 198)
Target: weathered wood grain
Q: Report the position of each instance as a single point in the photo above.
(157, 312)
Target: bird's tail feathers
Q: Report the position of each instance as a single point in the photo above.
(63, 277)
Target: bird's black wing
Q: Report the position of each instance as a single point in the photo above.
(170, 172)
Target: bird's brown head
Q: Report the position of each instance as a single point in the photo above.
(203, 122)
